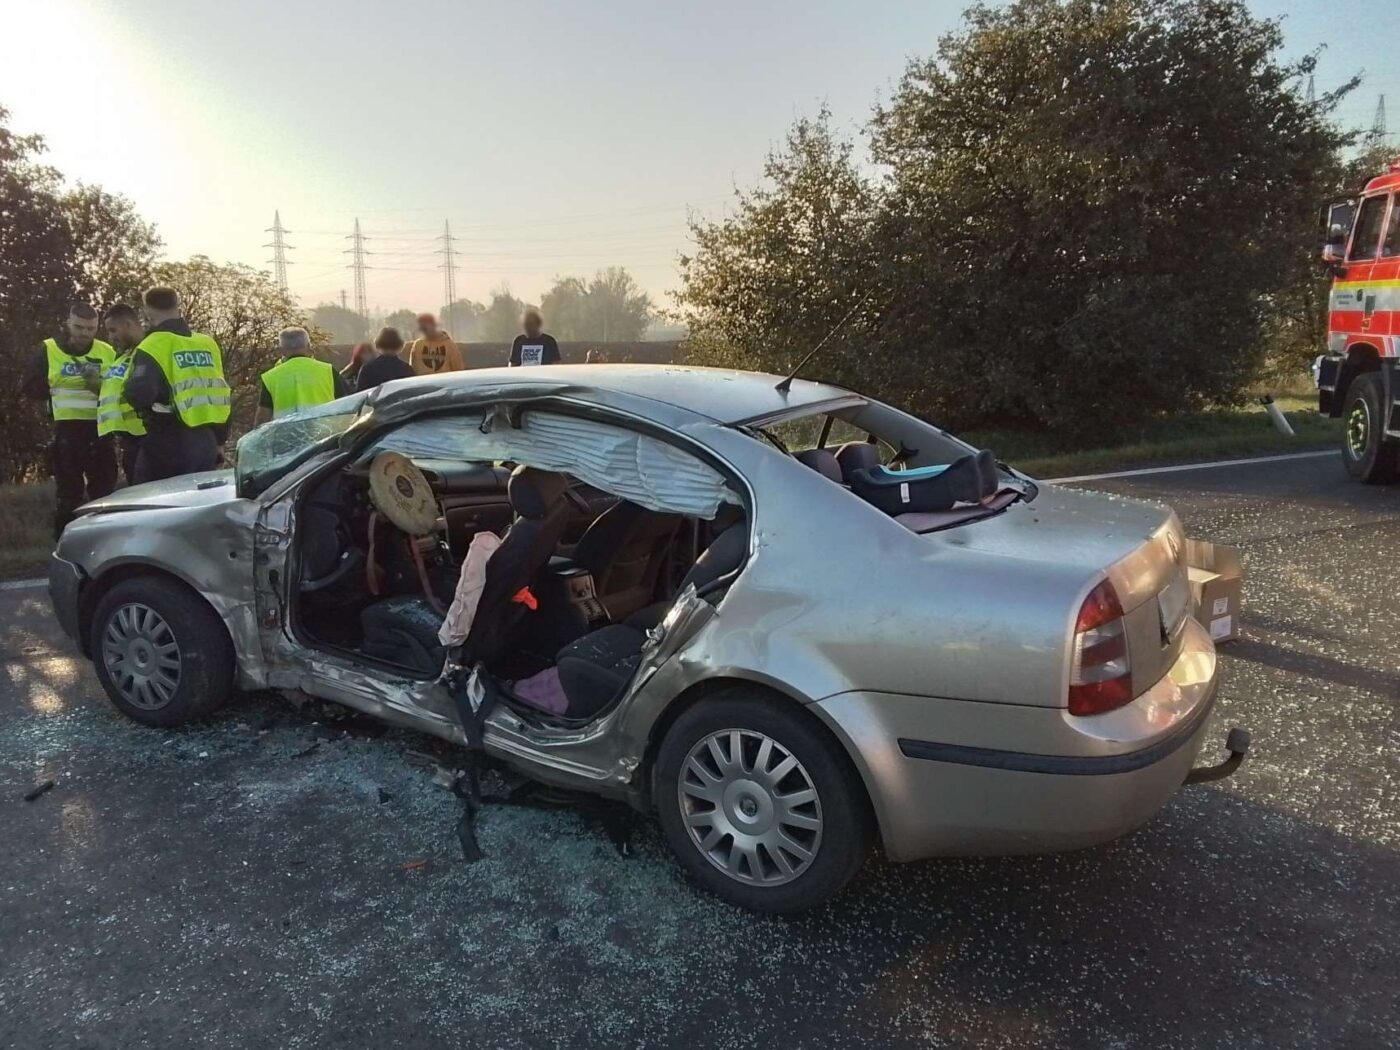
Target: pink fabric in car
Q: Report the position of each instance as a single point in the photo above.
(543, 691)
(472, 581)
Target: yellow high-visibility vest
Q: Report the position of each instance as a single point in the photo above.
(114, 415)
(193, 366)
(69, 396)
(299, 382)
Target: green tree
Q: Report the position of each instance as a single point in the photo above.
(342, 325)
(405, 320)
(565, 309)
(500, 323)
(38, 278)
(462, 319)
(616, 309)
(765, 284)
(1088, 204)
(244, 310)
(114, 248)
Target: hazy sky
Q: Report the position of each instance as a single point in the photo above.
(558, 137)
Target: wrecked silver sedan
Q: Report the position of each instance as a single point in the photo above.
(790, 618)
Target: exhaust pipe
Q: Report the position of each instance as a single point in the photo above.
(1237, 743)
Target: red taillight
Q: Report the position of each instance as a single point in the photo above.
(1100, 678)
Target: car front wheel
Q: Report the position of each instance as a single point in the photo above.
(759, 803)
(162, 655)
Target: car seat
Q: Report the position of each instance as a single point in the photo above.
(596, 668)
(625, 549)
(823, 461)
(857, 455)
(403, 630)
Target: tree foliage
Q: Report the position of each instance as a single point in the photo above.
(610, 307)
(38, 278)
(462, 319)
(767, 283)
(244, 311)
(114, 248)
(1082, 210)
(500, 322)
(341, 325)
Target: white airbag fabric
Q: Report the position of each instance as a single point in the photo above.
(636, 467)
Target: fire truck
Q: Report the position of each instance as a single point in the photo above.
(1358, 379)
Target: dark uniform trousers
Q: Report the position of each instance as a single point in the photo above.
(170, 449)
(84, 468)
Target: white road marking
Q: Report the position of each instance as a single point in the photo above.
(1191, 466)
(22, 585)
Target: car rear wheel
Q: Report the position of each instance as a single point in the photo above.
(1368, 455)
(161, 654)
(759, 803)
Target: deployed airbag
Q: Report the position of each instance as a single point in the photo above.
(636, 467)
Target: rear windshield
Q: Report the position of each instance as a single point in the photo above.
(920, 475)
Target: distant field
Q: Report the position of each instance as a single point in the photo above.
(26, 528)
(1222, 433)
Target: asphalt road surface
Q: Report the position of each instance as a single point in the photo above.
(271, 880)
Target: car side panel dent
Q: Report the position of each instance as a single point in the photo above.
(208, 548)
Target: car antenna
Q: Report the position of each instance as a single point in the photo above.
(785, 384)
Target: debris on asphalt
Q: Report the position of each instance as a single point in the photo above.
(306, 751)
(414, 865)
(39, 789)
(384, 796)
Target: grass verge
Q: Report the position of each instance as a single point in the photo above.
(26, 529)
(1218, 434)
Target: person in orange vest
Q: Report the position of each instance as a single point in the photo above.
(434, 351)
(298, 380)
(67, 373)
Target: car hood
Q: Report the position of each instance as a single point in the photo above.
(188, 490)
(1137, 543)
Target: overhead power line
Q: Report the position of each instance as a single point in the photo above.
(357, 254)
(279, 248)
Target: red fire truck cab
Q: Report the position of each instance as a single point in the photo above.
(1358, 378)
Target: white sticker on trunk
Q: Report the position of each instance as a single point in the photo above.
(1221, 607)
(1222, 627)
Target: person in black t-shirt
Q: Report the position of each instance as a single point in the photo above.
(386, 364)
(536, 346)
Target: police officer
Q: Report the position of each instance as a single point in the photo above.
(298, 380)
(66, 372)
(114, 414)
(177, 383)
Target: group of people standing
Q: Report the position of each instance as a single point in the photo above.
(434, 352)
(155, 400)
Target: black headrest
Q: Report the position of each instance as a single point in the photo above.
(533, 493)
(822, 460)
(857, 455)
(724, 554)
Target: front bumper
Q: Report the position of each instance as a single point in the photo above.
(65, 583)
(950, 777)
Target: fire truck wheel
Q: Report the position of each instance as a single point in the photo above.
(1368, 456)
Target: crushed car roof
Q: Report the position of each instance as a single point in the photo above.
(723, 395)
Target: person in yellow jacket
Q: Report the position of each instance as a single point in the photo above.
(177, 384)
(434, 352)
(298, 380)
(66, 373)
(115, 416)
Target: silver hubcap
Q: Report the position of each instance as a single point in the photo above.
(750, 806)
(141, 656)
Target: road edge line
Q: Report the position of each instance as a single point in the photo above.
(1189, 466)
(22, 585)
